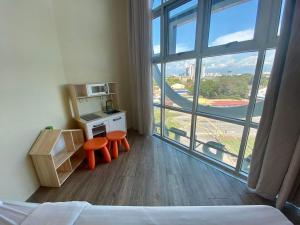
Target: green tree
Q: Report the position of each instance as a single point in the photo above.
(173, 80)
(236, 87)
(189, 85)
(209, 88)
(264, 80)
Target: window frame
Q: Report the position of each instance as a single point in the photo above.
(263, 40)
(169, 8)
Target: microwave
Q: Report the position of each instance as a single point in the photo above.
(97, 89)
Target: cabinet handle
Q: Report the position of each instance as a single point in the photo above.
(117, 118)
(100, 125)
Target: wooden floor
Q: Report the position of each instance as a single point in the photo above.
(152, 173)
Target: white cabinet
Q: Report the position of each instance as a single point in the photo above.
(107, 123)
(116, 122)
(96, 128)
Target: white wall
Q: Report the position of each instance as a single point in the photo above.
(93, 41)
(45, 44)
(31, 74)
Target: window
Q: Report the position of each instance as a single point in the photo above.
(226, 83)
(218, 139)
(177, 126)
(248, 151)
(156, 36)
(155, 3)
(182, 21)
(156, 83)
(179, 83)
(157, 121)
(232, 21)
(263, 84)
(212, 74)
(281, 15)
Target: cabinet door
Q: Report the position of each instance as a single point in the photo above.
(117, 123)
(92, 128)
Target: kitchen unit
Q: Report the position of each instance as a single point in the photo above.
(102, 123)
(95, 108)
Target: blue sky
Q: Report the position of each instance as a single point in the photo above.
(235, 23)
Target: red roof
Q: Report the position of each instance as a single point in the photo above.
(230, 103)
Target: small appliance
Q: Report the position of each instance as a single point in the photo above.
(97, 89)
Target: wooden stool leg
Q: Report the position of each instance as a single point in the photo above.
(115, 150)
(125, 144)
(106, 154)
(91, 159)
(109, 145)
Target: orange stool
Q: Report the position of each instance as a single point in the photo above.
(94, 144)
(115, 138)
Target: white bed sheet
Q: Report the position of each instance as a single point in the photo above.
(19, 213)
(187, 215)
(14, 213)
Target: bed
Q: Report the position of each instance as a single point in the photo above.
(83, 213)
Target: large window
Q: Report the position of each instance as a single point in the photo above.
(219, 140)
(177, 126)
(182, 21)
(179, 83)
(263, 85)
(157, 120)
(156, 83)
(248, 151)
(226, 83)
(155, 3)
(156, 36)
(212, 61)
(236, 23)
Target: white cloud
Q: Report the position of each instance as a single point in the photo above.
(248, 61)
(178, 67)
(230, 61)
(237, 63)
(236, 36)
(156, 49)
(180, 47)
(269, 58)
(219, 61)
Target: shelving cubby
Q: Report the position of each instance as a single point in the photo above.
(56, 154)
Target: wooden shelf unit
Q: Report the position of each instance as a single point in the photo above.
(56, 154)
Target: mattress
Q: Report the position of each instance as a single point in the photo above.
(13, 213)
(183, 215)
(83, 213)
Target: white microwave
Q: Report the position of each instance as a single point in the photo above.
(97, 89)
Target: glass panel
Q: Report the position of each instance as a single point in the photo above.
(248, 151)
(190, 5)
(182, 21)
(156, 35)
(179, 85)
(281, 15)
(232, 21)
(178, 126)
(263, 84)
(225, 84)
(219, 140)
(156, 83)
(157, 122)
(155, 3)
